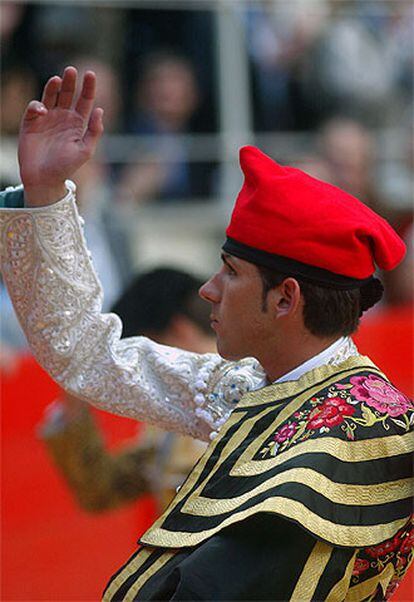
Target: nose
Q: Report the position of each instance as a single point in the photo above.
(210, 290)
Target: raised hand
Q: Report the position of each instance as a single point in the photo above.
(57, 136)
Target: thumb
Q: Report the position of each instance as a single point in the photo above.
(94, 130)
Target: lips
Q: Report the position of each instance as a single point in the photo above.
(214, 322)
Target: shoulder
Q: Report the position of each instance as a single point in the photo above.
(359, 407)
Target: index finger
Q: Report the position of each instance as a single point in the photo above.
(86, 98)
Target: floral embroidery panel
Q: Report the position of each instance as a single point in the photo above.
(352, 406)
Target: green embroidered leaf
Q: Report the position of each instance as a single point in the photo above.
(299, 432)
(274, 449)
(368, 415)
(349, 431)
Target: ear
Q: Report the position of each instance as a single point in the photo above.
(286, 299)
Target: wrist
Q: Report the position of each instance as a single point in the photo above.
(43, 195)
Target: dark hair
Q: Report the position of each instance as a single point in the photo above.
(154, 298)
(328, 311)
(160, 58)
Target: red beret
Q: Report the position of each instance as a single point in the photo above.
(285, 219)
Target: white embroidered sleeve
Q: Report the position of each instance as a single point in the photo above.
(57, 297)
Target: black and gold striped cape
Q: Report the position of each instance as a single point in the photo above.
(255, 521)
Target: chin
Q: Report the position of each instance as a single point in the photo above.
(229, 354)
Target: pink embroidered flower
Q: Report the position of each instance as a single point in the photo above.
(360, 566)
(380, 395)
(330, 413)
(383, 548)
(285, 432)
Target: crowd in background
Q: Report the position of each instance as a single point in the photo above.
(339, 71)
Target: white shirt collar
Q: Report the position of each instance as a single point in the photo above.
(314, 362)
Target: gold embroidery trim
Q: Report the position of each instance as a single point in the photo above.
(286, 413)
(129, 568)
(230, 446)
(360, 592)
(142, 579)
(346, 451)
(195, 473)
(339, 590)
(312, 572)
(240, 434)
(350, 451)
(309, 379)
(356, 536)
(340, 493)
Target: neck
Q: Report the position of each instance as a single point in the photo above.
(285, 358)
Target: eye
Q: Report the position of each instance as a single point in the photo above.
(230, 270)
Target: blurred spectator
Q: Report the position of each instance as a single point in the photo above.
(18, 86)
(163, 304)
(353, 68)
(13, 18)
(399, 286)
(108, 91)
(10, 17)
(12, 339)
(315, 166)
(187, 33)
(348, 148)
(279, 34)
(58, 30)
(395, 176)
(167, 96)
(104, 229)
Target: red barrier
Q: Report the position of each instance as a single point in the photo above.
(51, 549)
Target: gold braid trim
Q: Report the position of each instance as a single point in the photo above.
(355, 536)
(346, 451)
(340, 493)
(245, 466)
(339, 590)
(142, 579)
(309, 379)
(366, 588)
(197, 470)
(312, 572)
(131, 567)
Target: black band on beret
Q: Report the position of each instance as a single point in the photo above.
(286, 265)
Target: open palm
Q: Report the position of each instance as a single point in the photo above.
(58, 135)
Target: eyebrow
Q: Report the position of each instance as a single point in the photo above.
(225, 257)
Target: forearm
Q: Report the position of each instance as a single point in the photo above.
(58, 299)
(99, 479)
